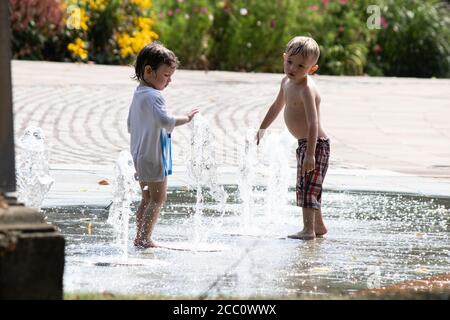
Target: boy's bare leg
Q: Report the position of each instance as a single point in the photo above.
(308, 232)
(319, 225)
(157, 192)
(140, 212)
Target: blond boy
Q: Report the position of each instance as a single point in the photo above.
(301, 101)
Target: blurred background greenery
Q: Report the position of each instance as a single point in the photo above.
(411, 37)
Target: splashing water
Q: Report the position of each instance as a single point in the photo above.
(271, 171)
(248, 163)
(124, 189)
(276, 150)
(202, 171)
(375, 240)
(33, 176)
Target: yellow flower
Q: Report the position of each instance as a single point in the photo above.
(131, 44)
(144, 23)
(97, 5)
(142, 4)
(78, 48)
(136, 31)
(83, 54)
(77, 2)
(84, 19)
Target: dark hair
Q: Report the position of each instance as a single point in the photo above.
(153, 55)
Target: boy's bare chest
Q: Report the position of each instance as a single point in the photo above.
(292, 97)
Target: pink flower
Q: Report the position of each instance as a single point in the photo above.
(377, 49)
(325, 2)
(343, 2)
(314, 8)
(169, 13)
(384, 22)
(177, 10)
(273, 23)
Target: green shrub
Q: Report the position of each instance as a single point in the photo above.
(339, 27)
(239, 35)
(249, 35)
(109, 31)
(415, 39)
(184, 27)
(36, 27)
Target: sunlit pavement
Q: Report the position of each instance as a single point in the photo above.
(387, 134)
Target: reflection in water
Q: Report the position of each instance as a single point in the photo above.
(373, 240)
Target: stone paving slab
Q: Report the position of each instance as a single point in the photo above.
(398, 124)
(391, 125)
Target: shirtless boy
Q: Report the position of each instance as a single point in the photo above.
(300, 99)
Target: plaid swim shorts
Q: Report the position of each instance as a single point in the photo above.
(309, 186)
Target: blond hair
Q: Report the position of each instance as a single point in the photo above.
(305, 46)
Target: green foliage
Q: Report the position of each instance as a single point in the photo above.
(95, 34)
(36, 28)
(240, 35)
(415, 40)
(249, 35)
(340, 29)
(101, 33)
(184, 28)
(109, 31)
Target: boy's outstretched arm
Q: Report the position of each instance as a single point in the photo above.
(273, 112)
(180, 120)
(312, 123)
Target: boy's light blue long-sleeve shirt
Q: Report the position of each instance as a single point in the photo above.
(149, 126)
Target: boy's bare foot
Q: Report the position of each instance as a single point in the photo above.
(144, 244)
(320, 232)
(302, 235)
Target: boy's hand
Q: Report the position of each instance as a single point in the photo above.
(309, 163)
(191, 114)
(259, 135)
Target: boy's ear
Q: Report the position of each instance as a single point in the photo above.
(313, 69)
(284, 55)
(148, 69)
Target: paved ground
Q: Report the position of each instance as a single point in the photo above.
(383, 123)
(387, 131)
(387, 134)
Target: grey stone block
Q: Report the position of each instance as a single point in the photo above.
(31, 256)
